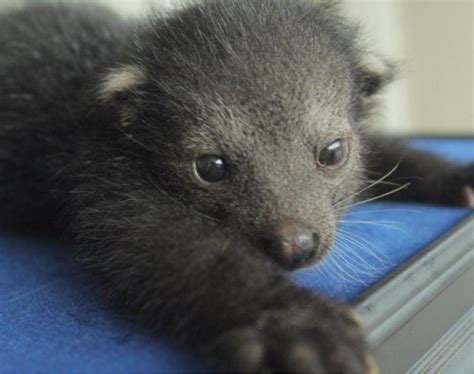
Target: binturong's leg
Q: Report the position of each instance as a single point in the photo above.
(428, 178)
(186, 276)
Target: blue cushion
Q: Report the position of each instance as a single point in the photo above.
(52, 321)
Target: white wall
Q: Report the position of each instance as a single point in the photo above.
(439, 49)
(433, 40)
(380, 22)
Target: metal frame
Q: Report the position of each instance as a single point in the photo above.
(412, 310)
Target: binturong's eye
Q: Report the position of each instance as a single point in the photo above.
(333, 154)
(211, 168)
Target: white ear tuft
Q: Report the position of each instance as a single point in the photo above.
(374, 73)
(120, 80)
(378, 66)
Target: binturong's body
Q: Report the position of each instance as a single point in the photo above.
(194, 158)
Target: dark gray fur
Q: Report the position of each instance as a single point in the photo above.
(264, 83)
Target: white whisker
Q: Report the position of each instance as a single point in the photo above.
(367, 268)
(385, 224)
(370, 185)
(350, 266)
(375, 197)
(368, 247)
(382, 211)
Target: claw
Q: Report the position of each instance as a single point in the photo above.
(242, 349)
(303, 358)
(468, 194)
(250, 356)
(372, 367)
(356, 317)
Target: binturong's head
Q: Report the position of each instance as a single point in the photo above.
(253, 110)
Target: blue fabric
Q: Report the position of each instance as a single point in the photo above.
(52, 322)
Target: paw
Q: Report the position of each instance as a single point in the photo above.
(298, 341)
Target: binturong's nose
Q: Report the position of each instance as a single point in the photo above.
(294, 245)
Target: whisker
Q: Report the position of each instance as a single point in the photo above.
(386, 224)
(336, 272)
(378, 197)
(350, 266)
(370, 185)
(411, 177)
(365, 264)
(381, 182)
(131, 138)
(382, 211)
(368, 247)
(363, 221)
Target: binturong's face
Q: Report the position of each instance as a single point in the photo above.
(282, 178)
(256, 116)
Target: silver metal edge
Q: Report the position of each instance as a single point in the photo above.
(448, 351)
(391, 306)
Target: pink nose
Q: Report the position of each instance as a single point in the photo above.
(294, 245)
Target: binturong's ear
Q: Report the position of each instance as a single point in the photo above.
(373, 74)
(119, 83)
(117, 89)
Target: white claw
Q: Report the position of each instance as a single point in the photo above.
(468, 193)
(356, 317)
(372, 367)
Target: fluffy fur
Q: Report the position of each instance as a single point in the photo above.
(101, 121)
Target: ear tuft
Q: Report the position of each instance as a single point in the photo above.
(119, 81)
(374, 74)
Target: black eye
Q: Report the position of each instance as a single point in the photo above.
(211, 168)
(333, 154)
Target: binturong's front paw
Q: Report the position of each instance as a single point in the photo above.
(297, 341)
(461, 188)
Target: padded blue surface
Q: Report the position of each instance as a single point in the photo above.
(52, 322)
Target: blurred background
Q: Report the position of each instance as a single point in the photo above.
(432, 40)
